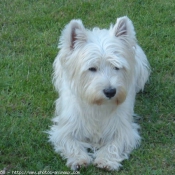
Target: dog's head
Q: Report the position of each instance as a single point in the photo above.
(98, 64)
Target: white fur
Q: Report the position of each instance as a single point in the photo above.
(85, 117)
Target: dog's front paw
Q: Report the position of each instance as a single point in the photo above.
(78, 162)
(106, 164)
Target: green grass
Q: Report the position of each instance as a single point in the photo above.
(28, 45)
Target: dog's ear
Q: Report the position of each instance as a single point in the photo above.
(73, 32)
(124, 28)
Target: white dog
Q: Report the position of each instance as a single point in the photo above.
(97, 74)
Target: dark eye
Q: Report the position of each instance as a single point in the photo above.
(116, 68)
(93, 69)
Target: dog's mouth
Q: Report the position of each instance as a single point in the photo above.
(118, 99)
(98, 101)
(107, 96)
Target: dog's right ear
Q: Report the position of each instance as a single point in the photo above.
(73, 33)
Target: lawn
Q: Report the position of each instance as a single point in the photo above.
(28, 45)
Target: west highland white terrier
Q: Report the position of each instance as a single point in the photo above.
(97, 74)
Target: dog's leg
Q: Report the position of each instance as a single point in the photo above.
(66, 144)
(76, 154)
(111, 155)
(108, 160)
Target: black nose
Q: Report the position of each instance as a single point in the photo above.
(109, 92)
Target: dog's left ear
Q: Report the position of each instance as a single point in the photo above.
(124, 28)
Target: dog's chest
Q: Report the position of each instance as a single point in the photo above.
(97, 125)
(93, 132)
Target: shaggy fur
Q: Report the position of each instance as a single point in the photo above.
(97, 74)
